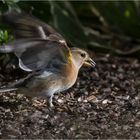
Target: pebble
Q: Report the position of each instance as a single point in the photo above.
(105, 101)
(60, 100)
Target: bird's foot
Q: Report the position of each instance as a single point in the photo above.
(51, 104)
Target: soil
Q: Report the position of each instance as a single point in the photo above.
(103, 104)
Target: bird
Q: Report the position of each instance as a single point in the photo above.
(44, 53)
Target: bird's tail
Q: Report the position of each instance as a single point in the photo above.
(7, 90)
(17, 84)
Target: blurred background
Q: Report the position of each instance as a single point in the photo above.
(104, 103)
(107, 27)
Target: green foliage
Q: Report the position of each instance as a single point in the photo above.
(9, 4)
(5, 37)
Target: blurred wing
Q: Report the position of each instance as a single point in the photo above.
(27, 26)
(37, 54)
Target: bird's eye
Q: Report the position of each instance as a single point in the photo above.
(83, 55)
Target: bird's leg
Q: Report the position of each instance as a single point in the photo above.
(50, 101)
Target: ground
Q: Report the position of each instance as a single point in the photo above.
(104, 103)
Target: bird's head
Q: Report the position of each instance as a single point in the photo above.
(81, 57)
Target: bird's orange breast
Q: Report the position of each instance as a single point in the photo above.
(70, 73)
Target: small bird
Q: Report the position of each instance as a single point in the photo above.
(44, 53)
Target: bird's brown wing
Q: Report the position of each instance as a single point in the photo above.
(28, 26)
(38, 44)
(38, 54)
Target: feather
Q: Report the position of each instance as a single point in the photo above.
(8, 90)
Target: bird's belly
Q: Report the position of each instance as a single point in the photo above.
(66, 86)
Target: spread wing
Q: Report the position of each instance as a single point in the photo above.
(38, 46)
(38, 54)
(28, 26)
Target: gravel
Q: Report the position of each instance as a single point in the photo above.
(103, 104)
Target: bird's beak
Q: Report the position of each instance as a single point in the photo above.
(90, 62)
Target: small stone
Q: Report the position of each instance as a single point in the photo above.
(137, 124)
(85, 101)
(121, 76)
(72, 128)
(92, 97)
(114, 66)
(105, 101)
(86, 93)
(79, 99)
(107, 90)
(60, 100)
(138, 113)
